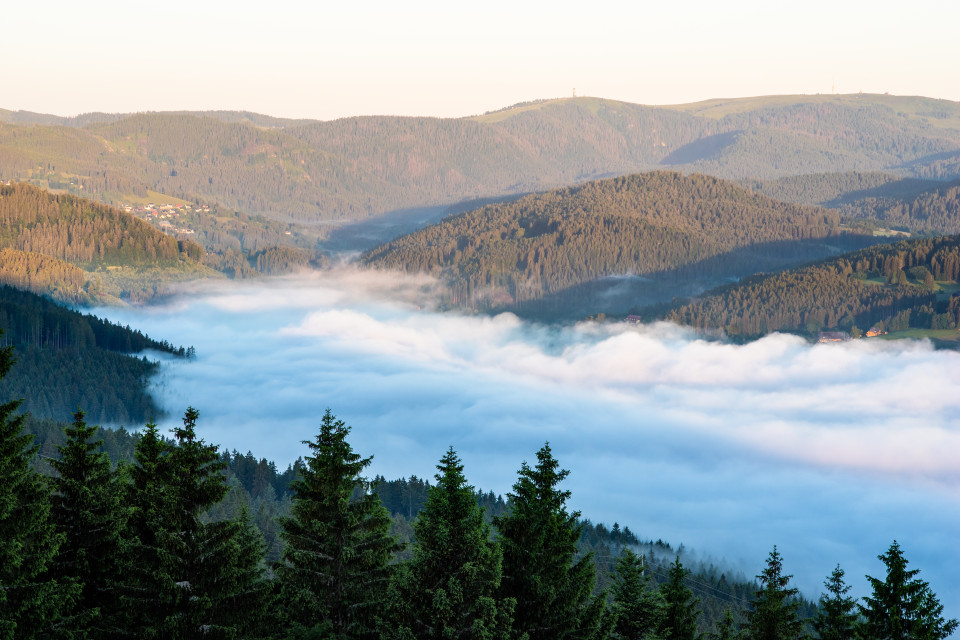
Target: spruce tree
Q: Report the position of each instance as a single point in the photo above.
(837, 614)
(449, 588)
(89, 510)
(195, 578)
(680, 608)
(336, 563)
(552, 587)
(902, 607)
(773, 612)
(726, 627)
(145, 592)
(637, 607)
(30, 599)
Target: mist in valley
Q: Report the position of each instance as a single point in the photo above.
(829, 451)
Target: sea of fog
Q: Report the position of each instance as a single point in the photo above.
(829, 452)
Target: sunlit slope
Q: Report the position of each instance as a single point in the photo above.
(55, 243)
(353, 168)
(640, 224)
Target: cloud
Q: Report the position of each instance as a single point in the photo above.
(828, 451)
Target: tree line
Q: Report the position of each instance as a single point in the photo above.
(66, 359)
(106, 551)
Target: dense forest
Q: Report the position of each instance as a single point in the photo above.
(647, 225)
(898, 286)
(84, 232)
(165, 545)
(356, 167)
(82, 252)
(933, 211)
(66, 359)
(833, 190)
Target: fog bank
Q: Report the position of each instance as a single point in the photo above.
(828, 451)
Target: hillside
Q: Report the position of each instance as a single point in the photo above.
(900, 286)
(886, 200)
(78, 251)
(652, 224)
(67, 360)
(353, 168)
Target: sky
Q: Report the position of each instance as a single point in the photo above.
(447, 59)
(829, 452)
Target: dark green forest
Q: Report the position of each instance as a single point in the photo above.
(353, 168)
(165, 544)
(66, 359)
(899, 286)
(652, 224)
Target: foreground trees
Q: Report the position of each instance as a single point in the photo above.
(552, 588)
(335, 571)
(773, 613)
(31, 600)
(101, 553)
(90, 513)
(449, 589)
(902, 606)
(189, 578)
(837, 617)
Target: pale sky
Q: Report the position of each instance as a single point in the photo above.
(447, 59)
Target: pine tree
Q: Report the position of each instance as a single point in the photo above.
(902, 606)
(553, 589)
(773, 612)
(836, 616)
(335, 568)
(726, 627)
(194, 578)
(30, 599)
(637, 607)
(449, 588)
(88, 509)
(145, 592)
(680, 609)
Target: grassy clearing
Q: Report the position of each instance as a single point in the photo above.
(152, 196)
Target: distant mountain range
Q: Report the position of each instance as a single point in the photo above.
(353, 168)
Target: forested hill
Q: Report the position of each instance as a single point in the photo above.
(48, 241)
(934, 210)
(506, 254)
(357, 167)
(67, 360)
(883, 199)
(83, 232)
(899, 286)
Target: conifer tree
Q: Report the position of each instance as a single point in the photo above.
(88, 509)
(335, 571)
(196, 578)
(449, 588)
(726, 627)
(553, 589)
(773, 612)
(145, 592)
(837, 614)
(680, 609)
(30, 599)
(637, 607)
(902, 607)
